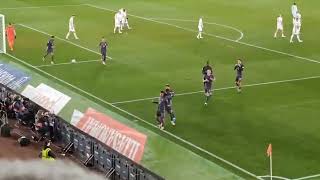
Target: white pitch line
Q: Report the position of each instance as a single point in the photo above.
(276, 177)
(212, 35)
(212, 23)
(219, 89)
(42, 32)
(308, 177)
(37, 7)
(58, 64)
(140, 119)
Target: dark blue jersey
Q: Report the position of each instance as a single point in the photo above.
(50, 44)
(162, 104)
(169, 96)
(208, 79)
(103, 47)
(239, 68)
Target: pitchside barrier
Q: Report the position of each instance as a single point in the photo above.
(93, 153)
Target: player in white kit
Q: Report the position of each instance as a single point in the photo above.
(294, 10)
(117, 22)
(124, 20)
(296, 28)
(200, 28)
(72, 28)
(279, 26)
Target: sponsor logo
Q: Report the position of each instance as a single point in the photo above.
(12, 77)
(47, 97)
(114, 134)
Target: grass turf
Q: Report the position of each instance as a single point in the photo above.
(235, 126)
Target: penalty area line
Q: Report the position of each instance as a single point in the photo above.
(72, 43)
(224, 88)
(211, 23)
(140, 119)
(67, 63)
(275, 177)
(308, 177)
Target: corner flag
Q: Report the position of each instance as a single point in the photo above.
(269, 154)
(269, 150)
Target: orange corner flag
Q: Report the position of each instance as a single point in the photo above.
(269, 150)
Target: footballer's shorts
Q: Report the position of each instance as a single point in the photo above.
(169, 109)
(238, 78)
(72, 29)
(296, 30)
(279, 27)
(207, 88)
(117, 24)
(50, 51)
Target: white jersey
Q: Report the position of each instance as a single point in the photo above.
(71, 24)
(124, 16)
(298, 19)
(200, 25)
(120, 15)
(280, 23)
(294, 10)
(296, 27)
(117, 19)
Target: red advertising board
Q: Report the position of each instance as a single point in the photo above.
(120, 137)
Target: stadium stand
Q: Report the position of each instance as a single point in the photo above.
(70, 140)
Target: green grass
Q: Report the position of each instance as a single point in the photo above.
(237, 127)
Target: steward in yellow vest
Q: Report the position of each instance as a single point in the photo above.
(46, 153)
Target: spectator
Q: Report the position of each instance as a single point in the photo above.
(23, 110)
(46, 153)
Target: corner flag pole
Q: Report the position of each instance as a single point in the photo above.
(271, 167)
(269, 153)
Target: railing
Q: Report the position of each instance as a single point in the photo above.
(93, 153)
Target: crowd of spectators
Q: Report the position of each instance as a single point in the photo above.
(28, 114)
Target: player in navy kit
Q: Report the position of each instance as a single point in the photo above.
(161, 110)
(50, 50)
(169, 94)
(103, 50)
(208, 81)
(239, 67)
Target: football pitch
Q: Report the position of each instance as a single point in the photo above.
(280, 101)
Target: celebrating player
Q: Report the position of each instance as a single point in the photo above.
(169, 94)
(11, 35)
(200, 28)
(50, 50)
(72, 28)
(296, 28)
(161, 109)
(103, 50)
(239, 67)
(279, 26)
(124, 20)
(117, 22)
(208, 81)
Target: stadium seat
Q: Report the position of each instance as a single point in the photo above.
(124, 169)
(118, 166)
(75, 141)
(109, 160)
(141, 176)
(82, 147)
(132, 173)
(106, 160)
